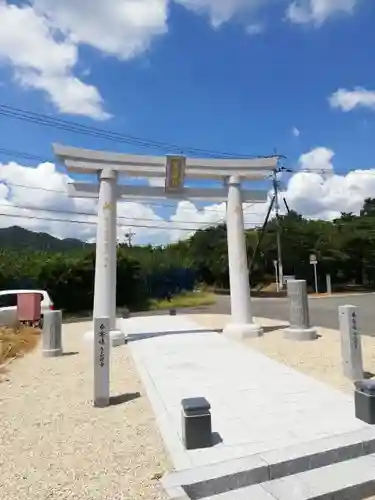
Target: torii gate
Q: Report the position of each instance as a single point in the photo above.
(174, 169)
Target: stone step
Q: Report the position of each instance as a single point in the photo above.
(350, 480)
(203, 482)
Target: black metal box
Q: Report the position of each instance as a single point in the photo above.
(364, 401)
(196, 423)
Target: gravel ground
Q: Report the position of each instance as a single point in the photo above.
(55, 445)
(320, 358)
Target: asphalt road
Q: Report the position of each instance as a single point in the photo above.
(323, 311)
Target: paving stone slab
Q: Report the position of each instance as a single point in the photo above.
(253, 493)
(257, 404)
(233, 474)
(350, 480)
(218, 478)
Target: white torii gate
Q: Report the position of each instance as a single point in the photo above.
(174, 169)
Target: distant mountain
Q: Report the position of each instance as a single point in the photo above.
(19, 238)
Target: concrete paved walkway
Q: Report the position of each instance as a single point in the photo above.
(257, 403)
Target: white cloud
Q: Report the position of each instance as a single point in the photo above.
(317, 160)
(318, 11)
(347, 100)
(254, 29)
(46, 196)
(41, 38)
(123, 28)
(309, 192)
(221, 11)
(318, 197)
(313, 194)
(156, 181)
(298, 11)
(41, 42)
(296, 132)
(44, 62)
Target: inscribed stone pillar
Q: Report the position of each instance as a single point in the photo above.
(299, 319)
(351, 346)
(101, 362)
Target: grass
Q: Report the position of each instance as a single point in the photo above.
(184, 300)
(15, 342)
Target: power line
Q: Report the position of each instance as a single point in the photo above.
(25, 156)
(143, 202)
(140, 226)
(73, 221)
(71, 126)
(250, 205)
(92, 214)
(33, 157)
(130, 234)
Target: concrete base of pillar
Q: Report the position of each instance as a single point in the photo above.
(239, 331)
(301, 334)
(52, 353)
(117, 337)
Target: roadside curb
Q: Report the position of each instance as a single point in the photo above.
(334, 295)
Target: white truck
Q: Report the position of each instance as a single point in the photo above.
(8, 305)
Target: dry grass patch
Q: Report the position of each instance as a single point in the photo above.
(15, 342)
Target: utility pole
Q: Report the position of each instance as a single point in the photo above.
(260, 238)
(278, 228)
(129, 236)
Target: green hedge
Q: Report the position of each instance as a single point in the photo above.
(69, 277)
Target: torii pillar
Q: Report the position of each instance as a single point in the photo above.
(241, 324)
(106, 256)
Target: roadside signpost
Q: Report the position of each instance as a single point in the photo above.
(314, 262)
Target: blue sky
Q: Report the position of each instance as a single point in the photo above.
(202, 85)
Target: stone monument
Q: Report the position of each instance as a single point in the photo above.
(101, 361)
(351, 348)
(299, 317)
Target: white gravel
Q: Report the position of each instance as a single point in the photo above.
(321, 358)
(55, 445)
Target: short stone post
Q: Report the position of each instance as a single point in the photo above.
(364, 401)
(299, 318)
(351, 348)
(52, 338)
(196, 423)
(101, 361)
